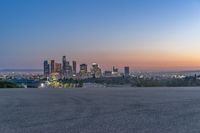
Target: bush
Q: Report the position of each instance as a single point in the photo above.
(8, 85)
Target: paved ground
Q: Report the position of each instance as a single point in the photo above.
(100, 110)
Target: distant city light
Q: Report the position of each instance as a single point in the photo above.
(42, 85)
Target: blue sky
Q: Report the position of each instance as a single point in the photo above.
(110, 32)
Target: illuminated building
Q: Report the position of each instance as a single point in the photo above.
(115, 72)
(96, 71)
(126, 71)
(83, 68)
(58, 68)
(68, 71)
(83, 71)
(66, 68)
(52, 66)
(46, 68)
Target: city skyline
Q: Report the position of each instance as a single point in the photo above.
(69, 70)
(144, 35)
(57, 66)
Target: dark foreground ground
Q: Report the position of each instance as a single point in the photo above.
(100, 110)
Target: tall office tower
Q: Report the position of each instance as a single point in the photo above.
(52, 66)
(64, 65)
(126, 71)
(115, 72)
(83, 70)
(74, 67)
(46, 68)
(58, 68)
(95, 70)
(68, 71)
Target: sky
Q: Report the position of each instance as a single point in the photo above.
(143, 34)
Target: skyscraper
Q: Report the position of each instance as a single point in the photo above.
(74, 67)
(126, 71)
(66, 68)
(68, 71)
(64, 65)
(46, 68)
(58, 68)
(83, 70)
(95, 70)
(52, 66)
(115, 72)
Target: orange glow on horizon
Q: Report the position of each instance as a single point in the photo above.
(146, 60)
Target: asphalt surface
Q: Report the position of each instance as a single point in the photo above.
(100, 110)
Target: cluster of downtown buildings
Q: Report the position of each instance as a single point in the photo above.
(67, 70)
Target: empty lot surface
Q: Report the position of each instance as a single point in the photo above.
(100, 110)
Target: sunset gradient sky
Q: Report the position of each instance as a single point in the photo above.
(144, 34)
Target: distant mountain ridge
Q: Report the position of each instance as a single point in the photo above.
(21, 70)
